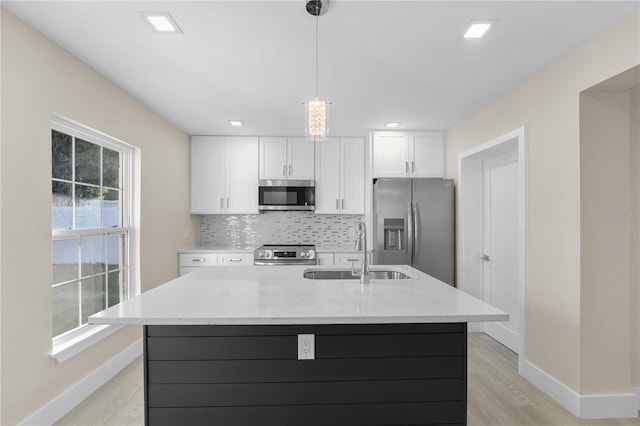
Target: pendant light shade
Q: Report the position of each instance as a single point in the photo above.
(316, 109)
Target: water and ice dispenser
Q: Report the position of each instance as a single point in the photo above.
(393, 234)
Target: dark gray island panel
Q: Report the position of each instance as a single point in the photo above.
(369, 374)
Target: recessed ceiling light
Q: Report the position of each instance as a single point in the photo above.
(392, 124)
(236, 123)
(477, 29)
(162, 22)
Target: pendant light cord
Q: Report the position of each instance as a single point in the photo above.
(317, 35)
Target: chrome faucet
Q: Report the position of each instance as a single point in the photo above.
(361, 244)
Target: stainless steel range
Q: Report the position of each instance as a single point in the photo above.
(285, 254)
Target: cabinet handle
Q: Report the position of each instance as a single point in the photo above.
(343, 204)
(413, 167)
(337, 203)
(198, 260)
(354, 260)
(222, 203)
(290, 170)
(406, 167)
(235, 260)
(227, 202)
(284, 170)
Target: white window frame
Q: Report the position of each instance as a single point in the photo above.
(74, 341)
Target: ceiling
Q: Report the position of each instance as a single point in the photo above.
(379, 61)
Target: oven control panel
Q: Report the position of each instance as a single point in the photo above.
(285, 254)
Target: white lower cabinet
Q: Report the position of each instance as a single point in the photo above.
(235, 259)
(189, 262)
(347, 259)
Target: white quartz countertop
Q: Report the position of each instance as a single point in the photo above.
(228, 295)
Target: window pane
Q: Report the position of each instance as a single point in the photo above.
(87, 162)
(65, 308)
(88, 207)
(111, 208)
(114, 288)
(61, 205)
(61, 155)
(64, 254)
(93, 296)
(92, 255)
(110, 168)
(114, 251)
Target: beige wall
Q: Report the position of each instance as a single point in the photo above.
(40, 79)
(548, 106)
(605, 267)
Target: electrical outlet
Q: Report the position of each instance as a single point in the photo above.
(351, 232)
(306, 346)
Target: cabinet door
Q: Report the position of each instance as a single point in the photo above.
(390, 154)
(242, 175)
(273, 158)
(427, 152)
(352, 176)
(207, 174)
(328, 177)
(324, 259)
(300, 159)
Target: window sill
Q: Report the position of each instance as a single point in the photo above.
(69, 346)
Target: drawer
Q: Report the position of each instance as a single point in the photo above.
(236, 259)
(198, 259)
(349, 259)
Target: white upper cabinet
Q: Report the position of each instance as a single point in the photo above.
(224, 176)
(427, 149)
(340, 176)
(408, 154)
(286, 158)
(300, 156)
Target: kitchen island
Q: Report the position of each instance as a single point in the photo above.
(222, 347)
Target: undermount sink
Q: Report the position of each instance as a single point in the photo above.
(346, 274)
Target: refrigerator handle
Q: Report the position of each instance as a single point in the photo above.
(416, 231)
(410, 234)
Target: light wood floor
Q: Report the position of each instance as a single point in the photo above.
(497, 396)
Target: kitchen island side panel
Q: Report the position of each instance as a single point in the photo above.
(375, 374)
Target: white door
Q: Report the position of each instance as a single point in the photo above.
(242, 175)
(426, 152)
(273, 158)
(328, 177)
(501, 285)
(390, 154)
(352, 176)
(300, 159)
(207, 174)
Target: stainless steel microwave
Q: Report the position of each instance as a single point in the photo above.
(286, 195)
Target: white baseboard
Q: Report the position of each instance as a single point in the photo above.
(55, 409)
(604, 406)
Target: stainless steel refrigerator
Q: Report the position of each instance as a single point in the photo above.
(413, 223)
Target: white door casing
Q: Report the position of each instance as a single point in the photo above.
(470, 235)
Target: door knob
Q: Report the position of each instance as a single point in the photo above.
(485, 258)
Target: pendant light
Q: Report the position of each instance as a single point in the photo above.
(316, 109)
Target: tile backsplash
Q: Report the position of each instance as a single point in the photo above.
(289, 227)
